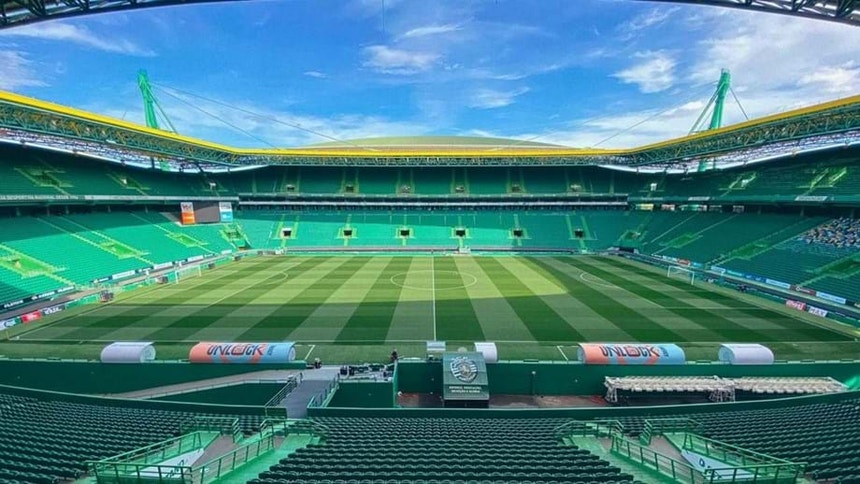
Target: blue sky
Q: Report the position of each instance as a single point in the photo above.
(580, 73)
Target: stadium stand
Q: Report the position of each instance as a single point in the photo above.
(818, 434)
(49, 441)
(841, 233)
(444, 450)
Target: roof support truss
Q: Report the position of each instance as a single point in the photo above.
(19, 12)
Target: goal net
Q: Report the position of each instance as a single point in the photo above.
(183, 273)
(678, 272)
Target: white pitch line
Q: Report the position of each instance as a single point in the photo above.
(313, 347)
(433, 292)
(562, 353)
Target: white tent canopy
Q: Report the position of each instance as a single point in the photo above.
(128, 352)
(745, 354)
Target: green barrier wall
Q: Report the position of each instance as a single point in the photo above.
(581, 413)
(94, 377)
(363, 394)
(563, 378)
(241, 394)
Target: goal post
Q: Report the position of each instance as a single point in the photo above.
(678, 272)
(187, 272)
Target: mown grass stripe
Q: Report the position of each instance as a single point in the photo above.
(805, 331)
(372, 319)
(290, 315)
(626, 319)
(455, 317)
(121, 315)
(725, 327)
(185, 326)
(542, 322)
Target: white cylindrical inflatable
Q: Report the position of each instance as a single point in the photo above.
(745, 354)
(128, 352)
(246, 353)
(630, 354)
(489, 350)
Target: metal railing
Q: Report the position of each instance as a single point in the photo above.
(322, 398)
(144, 464)
(659, 426)
(222, 425)
(273, 406)
(589, 428)
(677, 470)
(229, 462)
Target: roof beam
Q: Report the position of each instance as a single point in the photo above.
(20, 12)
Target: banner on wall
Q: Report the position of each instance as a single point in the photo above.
(246, 353)
(30, 317)
(630, 354)
(226, 211)
(187, 209)
(780, 284)
(830, 297)
(817, 311)
(8, 323)
(799, 305)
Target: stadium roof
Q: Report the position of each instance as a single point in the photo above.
(833, 122)
(19, 12)
(435, 142)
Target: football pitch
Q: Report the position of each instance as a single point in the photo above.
(358, 308)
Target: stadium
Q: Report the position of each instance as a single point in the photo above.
(428, 309)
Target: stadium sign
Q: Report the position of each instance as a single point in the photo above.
(464, 378)
(811, 198)
(247, 353)
(12, 304)
(8, 323)
(799, 305)
(779, 284)
(830, 297)
(630, 354)
(464, 369)
(817, 311)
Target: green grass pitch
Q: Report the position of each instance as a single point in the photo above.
(357, 308)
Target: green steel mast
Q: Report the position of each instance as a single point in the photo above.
(151, 108)
(715, 105)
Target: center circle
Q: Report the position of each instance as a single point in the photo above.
(439, 280)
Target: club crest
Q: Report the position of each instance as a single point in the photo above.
(464, 369)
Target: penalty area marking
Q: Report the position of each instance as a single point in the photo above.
(596, 282)
(472, 280)
(562, 353)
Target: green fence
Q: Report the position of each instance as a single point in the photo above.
(146, 464)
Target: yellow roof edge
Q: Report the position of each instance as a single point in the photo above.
(846, 101)
(382, 153)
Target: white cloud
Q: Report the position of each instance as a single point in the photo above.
(428, 30)
(841, 80)
(17, 71)
(771, 77)
(398, 61)
(316, 74)
(654, 73)
(492, 99)
(80, 35)
(651, 18)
